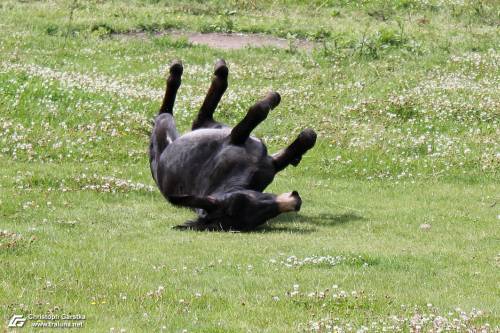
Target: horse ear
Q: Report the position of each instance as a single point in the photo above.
(207, 203)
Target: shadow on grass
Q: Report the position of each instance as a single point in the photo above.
(327, 219)
(299, 224)
(303, 224)
(270, 228)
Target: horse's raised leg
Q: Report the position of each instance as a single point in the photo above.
(217, 88)
(164, 130)
(293, 153)
(254, 117)
(173, 84)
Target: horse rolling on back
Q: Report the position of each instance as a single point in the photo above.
(219, 171)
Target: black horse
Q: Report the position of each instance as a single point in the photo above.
(220, 171)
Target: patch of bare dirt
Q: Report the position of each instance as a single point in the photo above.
(230, 41)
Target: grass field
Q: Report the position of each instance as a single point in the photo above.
(399, 227)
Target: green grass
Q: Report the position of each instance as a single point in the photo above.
(403, 94)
